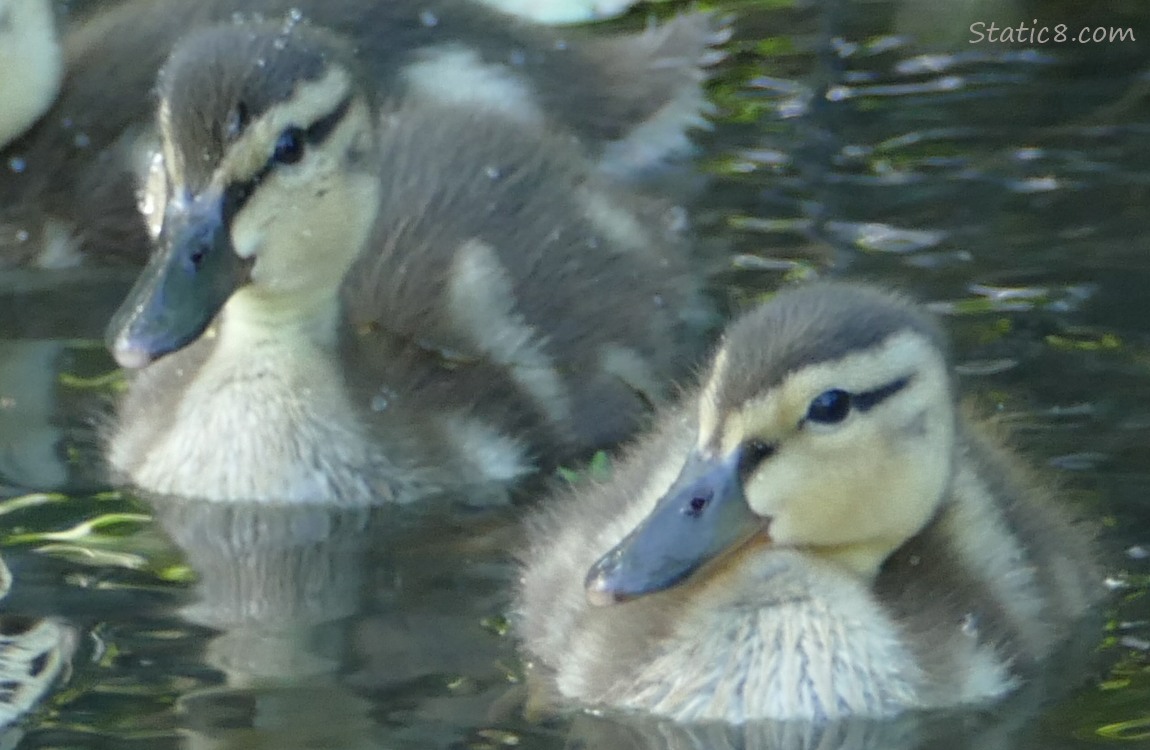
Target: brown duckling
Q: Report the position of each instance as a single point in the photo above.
(351, 304)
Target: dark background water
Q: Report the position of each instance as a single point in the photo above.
(1004, 184)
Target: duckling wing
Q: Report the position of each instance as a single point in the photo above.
(538, 294)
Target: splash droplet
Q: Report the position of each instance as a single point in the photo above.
(381, 400)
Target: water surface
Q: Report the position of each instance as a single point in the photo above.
(1005, 184)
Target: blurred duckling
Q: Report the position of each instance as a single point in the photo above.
(68, 189)
(31, 64)
(816, 534)
(562, 11)
(34, 652)
(353, 305)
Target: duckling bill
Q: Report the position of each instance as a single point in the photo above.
(702, 517)
(353, 300)
(816, 533)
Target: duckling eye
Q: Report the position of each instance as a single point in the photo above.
(829, 407)
(289, 146)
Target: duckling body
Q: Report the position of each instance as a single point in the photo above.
(816, 534)
(630, 99)
(355, 305)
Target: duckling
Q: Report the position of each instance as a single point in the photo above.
(68, 186)
(562, 11)
(816, 534)
(31, 64)
(34, 652)
(355, 305)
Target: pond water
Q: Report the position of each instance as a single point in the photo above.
(1006, 184)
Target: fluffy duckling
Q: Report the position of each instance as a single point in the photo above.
(403, 301)
(33, 654)
(816, 534)
(68, 186)
(30, 64)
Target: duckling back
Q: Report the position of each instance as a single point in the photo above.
(499, 247)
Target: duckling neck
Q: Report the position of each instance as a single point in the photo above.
(860, 560)
(253, 315)
(265, 417)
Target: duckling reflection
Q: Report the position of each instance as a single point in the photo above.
(504, 307)
(29, 440)
(34, 653)
(281, 585)
(1009, 726)
(817, 534)
(70, 185)
(327, 616)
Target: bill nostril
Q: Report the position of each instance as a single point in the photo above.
(699, 502)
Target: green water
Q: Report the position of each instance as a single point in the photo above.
(1007, 185)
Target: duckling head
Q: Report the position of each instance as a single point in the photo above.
(266, 184)
(826, 424)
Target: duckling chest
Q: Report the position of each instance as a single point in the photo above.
(778, 640)
(261, 420)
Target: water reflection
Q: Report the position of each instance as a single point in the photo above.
(29, 440)
(318, 609)
(280, 585)
(34, 653)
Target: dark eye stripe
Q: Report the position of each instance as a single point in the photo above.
(752, 454)
(319, 130)
(237, 194)
(869, 399)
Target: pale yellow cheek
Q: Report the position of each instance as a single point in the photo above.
(286, 227)
(827, 496)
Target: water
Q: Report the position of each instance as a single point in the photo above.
(1005, 185)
